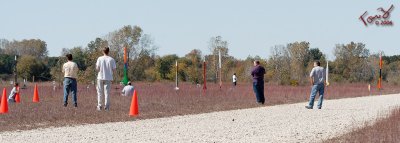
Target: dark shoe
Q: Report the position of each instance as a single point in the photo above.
(65, 104)
(308, 107)
(99, 108)
(76, 105)
(260, 103)
(319, 107)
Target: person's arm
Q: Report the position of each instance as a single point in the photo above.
(62, 68)
(123, 90)
(264, 71)
(97, 65)
(114, 66)
(312, 77)
(76, 69)
(311, 80)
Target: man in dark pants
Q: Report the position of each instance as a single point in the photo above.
(258, 81)
(70, 70)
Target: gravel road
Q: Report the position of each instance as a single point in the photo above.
(281, 123)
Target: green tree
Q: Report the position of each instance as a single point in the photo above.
(164, 64)
(79, 56)
(6, 66)
(29, 66)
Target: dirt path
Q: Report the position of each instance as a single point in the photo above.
(281, 123)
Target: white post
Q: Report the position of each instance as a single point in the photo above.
(176, 76)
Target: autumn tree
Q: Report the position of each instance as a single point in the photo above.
(352, 62)
(194, 70)
(33, 47)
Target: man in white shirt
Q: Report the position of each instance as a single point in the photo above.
(70, 70)
(128, 90)
(14, 92)
(234, 79)
(105, 65)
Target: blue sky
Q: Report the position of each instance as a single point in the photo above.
(251, 27)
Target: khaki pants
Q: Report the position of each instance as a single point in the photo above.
(103, 88)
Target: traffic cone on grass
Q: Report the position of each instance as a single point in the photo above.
(17, 98)
(134, 111)
(4, 104)
(36, 94)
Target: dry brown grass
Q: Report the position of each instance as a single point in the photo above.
(155, 100)
(386, 129)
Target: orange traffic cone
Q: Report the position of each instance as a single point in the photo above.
(36, 94)
(134, 111)
(4, 104)
(17, 98)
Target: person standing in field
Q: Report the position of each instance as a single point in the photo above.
(128, 90)
(14, 91)
(234, 79)
(317, 79)
(70, 70)
(105, 66)
(258, 81)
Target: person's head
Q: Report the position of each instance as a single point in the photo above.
(256, 62)
(16, 84)
(106, 50)
(129, 83)
(317, 63)
(69, 57)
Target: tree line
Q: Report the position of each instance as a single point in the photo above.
(288, 64)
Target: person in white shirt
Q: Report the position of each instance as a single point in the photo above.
(14, 92)
(105, 66)
(128, 90)
(234, 79)
(70, 70)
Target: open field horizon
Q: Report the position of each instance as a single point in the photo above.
(157, 100)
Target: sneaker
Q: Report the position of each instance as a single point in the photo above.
(319, 107)
(309, 107)
(107, 108)
(98, 108)
(76, 105)
(65, 104)
(11, 100)
(260, 103)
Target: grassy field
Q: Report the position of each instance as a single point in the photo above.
(155, 100)
(386, 129)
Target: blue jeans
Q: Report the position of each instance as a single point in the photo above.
(317, 88)
(70, 85)
(258, 88)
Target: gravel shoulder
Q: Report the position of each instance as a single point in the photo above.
(281, 123)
